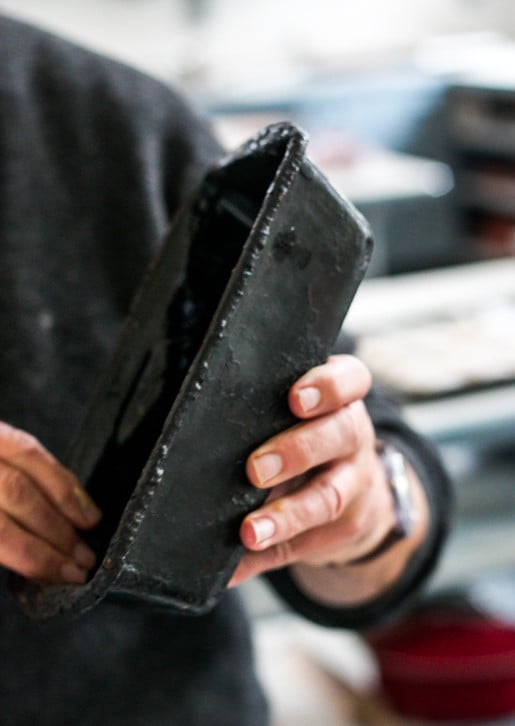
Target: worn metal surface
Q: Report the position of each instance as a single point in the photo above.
(249, 291)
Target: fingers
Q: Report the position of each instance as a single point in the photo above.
(41, 504)
(317, 546)
(34, 558)
(23, 452)
(338, 382)
(24, 503)
(330, 517)
(339, 496)
(295, 451)
(330, 396)
(342, 540)
(324, 499)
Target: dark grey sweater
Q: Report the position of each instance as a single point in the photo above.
(94, 160)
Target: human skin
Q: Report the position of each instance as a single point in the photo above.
(329, 503)
(42, 510)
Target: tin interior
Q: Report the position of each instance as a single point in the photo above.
(225, 210)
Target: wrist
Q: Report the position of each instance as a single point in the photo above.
(398, 480)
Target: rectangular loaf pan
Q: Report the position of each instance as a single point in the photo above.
(249, 291)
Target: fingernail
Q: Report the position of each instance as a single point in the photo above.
(264, 528)
(309, 398)
(72, 573)
(88, 506)
(83, 556)
(267, 466)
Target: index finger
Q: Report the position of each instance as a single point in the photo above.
(310, 444)
(24, 452)
(343, 379)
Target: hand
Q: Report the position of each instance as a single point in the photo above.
(329, 501)
(41, 506)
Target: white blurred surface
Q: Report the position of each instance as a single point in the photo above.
(237, 45)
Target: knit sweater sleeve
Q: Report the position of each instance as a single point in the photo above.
(422, 455)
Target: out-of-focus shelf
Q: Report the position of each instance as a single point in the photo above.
(493, 137)
(383, 304)
(481, 128)
(488, 193)
(480, 415)
(388, 302)
(482, 115)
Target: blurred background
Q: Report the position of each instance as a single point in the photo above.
(410, 109)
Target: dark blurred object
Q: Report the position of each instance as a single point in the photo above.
(249, 291)
(196, 10)
(493, 236)
(481, 122)
(454, 659)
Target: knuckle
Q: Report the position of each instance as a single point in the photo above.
(282, 554)
(356, 425)
(14, 489)
(350, 427)
(31, 558)
(362, 370)
(302, 451)
(39, 562)
(335, 388)
(330, 497)
(62, 497)
(353, 375)
(358, 371)
(57, 531)
(298, 518)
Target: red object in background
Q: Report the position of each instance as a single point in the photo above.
(495, 236)
(449, 668)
